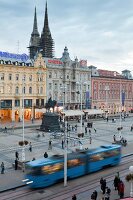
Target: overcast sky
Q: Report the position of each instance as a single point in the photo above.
(100, 31)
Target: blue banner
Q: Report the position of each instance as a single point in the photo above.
(87, 100)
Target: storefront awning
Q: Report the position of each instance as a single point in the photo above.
(69, 113)
(93, 111)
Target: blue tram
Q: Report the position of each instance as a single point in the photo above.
(47, 171)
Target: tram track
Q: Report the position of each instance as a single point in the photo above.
(58, 192)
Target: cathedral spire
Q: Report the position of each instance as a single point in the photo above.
(46, 42)
(35, 29)
(34, 45)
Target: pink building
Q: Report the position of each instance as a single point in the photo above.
(106, 87)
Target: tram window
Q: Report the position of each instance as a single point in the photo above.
(96, 157)
(74, 163)
(49, 169)
(34, 171)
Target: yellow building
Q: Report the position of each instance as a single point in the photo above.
(21, 80)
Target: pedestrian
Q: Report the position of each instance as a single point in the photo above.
(89, 132)
(30, 147)
(114, 138)
(101, 183)
(74, 197)
(32, 120)
(17, 155)
(116, 182)
(45, 155)
(104, 186)
(50, 144)
(90, 138)
(95, 130)
(16, 164)
(95, 194)
(2, 168)
(86, 129)
(107, 119)
(107, 193)
(5, 129)
(121, 189)
(62, 144)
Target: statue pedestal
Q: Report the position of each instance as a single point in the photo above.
(50, 122)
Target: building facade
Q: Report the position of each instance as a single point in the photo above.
(21, 80)
(111, 91)
(67, 80)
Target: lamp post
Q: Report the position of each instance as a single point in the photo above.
(81, 91)
(131, 189)
(106, 89)
(65, 156)
(120, 110)
(23, 147)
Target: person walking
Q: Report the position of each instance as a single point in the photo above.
(62, 144)
(95, 130)
(101, 183)
(121, 189)
(114, 138)
(30, 147)
(2, 168)
(74, 197)
(95, 195)
(45, 155)
(16, 164)
(116, 182)
(90, 138)
(50, 144)
(107, 193)
(17, 155)
(104, 186)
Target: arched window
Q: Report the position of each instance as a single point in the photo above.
(17, 90)
(41, 90)
(30, 90)
(23, 90)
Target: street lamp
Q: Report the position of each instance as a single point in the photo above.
(120, 128)
(65, 156)
(106, 89)
(81, 91)
(23, 147)
(131, 189)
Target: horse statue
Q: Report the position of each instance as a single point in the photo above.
(50, 104)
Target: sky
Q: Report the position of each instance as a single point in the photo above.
(99, 31)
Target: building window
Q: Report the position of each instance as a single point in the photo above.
(23, 90)
(50, 86)
(41, 90)
(30, 78)
(10, 77)
(55, 86)
(67, 76)
(17, 103)
(30, 90)
(17, 90)
(2, 76)
(17, 77)
(50, 74)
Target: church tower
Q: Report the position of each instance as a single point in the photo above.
(34, 45)
(46, 41)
